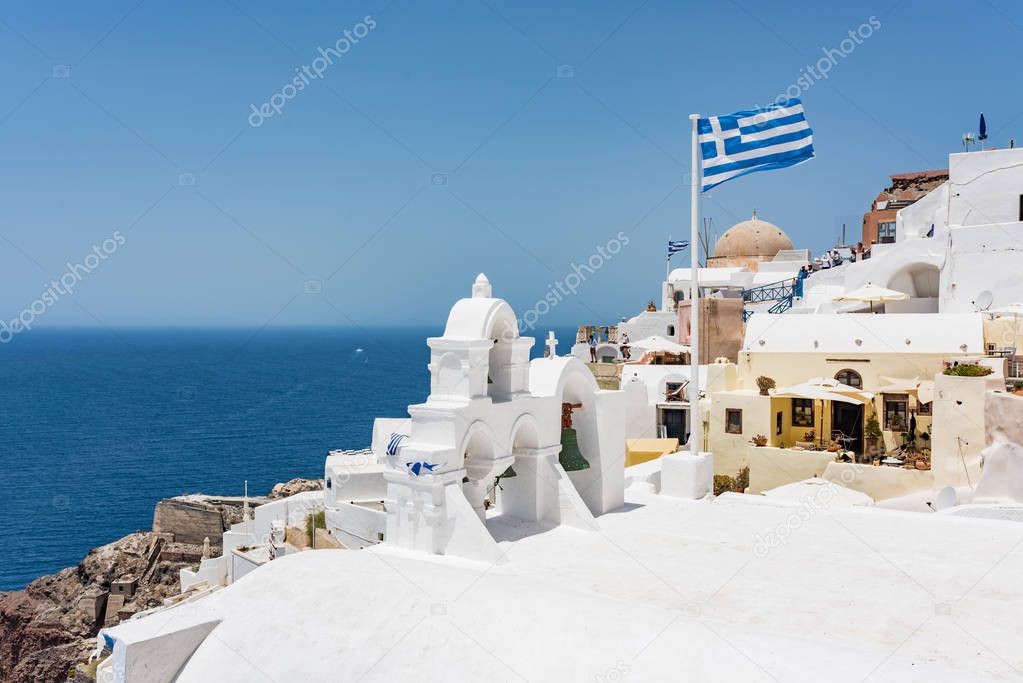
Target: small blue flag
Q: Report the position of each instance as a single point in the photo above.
(676, 246)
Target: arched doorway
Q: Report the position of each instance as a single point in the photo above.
(847, 418)
(918, 280)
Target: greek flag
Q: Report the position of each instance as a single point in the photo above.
(753, 140)
(676, 246)
(395, 442)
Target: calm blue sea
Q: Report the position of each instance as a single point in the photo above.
(100, 424)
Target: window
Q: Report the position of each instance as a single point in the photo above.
(802, 412)
(671, 330)
(674, 391)
(896, 412)
(850, 377)
(924, 408)
(733, 421)
(777, 423)
(886, 232)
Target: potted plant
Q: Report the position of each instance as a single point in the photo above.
(758, 440)
(872, 433)
(968, 370)
(651, 306)
(765, 384)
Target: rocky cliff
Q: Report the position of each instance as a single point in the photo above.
(51, 625)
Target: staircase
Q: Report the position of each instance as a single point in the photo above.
(782, 293)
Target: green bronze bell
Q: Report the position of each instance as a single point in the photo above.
(570, 458)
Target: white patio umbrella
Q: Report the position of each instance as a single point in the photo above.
(1016, 311)
(871, 293)
(1008, 309)
(659, 344)
(898, 385)
(925, 391)
(818, 392)
(836, 387)
(828, 493)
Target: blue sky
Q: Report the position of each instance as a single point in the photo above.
(224, 223)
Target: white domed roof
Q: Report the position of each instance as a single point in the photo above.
(481, 316)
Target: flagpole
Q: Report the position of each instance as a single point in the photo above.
(696, 423)
(667, 272)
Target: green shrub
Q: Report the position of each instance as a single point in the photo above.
(314, 521)
(738, 483)
(968, 370)
(873, 428)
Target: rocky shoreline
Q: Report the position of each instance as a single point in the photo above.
(49, 628)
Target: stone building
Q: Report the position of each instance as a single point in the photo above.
(906, 189)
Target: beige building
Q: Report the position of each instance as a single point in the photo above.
(892, 361)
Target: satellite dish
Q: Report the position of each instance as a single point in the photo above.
(945, 499)
(984, 300)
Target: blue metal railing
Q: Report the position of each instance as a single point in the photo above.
(782, 293)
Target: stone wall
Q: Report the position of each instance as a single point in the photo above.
(1004, 423)
(187, 521)
(721, 328)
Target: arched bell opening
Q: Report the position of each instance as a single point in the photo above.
(499, 360)
(578, 426)
(478, 458)
(515, 487)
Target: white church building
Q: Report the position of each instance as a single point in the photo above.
(492, 412)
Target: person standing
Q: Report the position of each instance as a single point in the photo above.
(626, 353)
(593, 348)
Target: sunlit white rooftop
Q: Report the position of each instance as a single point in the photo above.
(930, 333)
(665, 590)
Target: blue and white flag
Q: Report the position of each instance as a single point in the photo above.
(753, 140)
(676, 246)
(395, 442)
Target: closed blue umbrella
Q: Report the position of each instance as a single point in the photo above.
(983, 128)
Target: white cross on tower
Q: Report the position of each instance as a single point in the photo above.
(552, 345)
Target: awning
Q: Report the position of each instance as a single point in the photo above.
(898, 385)
(925, 392)
(1014, 309)
(873, 294)
(924, 389)
(659, 344)
(816, 392)
(836, 387)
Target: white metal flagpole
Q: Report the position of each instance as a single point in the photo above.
(695, 422)
(667, 270)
